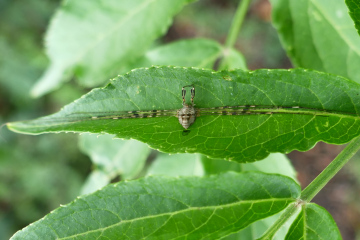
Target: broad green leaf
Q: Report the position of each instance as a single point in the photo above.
(313, 222)
(177, 165)
(354, 11)
(93, 39)
(319, 34)
(274, 163)
(329, 107)
(190, 164)
(115, 156)
(201, 53)
(168, 208)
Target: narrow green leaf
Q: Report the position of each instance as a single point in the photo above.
(319, 34)
(354, 11)
(93, 38)
(168, 208)
(313, 222)
(329, 107)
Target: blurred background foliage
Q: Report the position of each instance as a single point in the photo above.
(38, 173)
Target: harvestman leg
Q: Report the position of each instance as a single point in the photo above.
(183, 93)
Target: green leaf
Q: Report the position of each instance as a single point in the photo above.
(313, 222)
(274, 163)
(319, 34)
(233, 61)
(190, 164)
(168, 208)
(114, 156)
(215, 166)
(329, 107)
(201, 53)
(92, 39)
(354, 11)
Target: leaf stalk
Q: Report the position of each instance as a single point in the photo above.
(236, 23)
(288, 212)
(329, 172)
(234, 30)
(315, 186)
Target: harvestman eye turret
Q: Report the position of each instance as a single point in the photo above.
(187, 114)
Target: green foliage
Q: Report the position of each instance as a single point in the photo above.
(319, 34)
(198, 52)
(313, 222)
(168, 208)
(191, 196)
(112, 34)
(245, 138)
(354, 11)
(112, 158)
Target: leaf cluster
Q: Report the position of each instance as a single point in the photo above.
(203, 196)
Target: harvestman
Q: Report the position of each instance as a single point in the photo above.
(187, 114)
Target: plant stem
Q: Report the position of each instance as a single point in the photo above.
(328, 173)
(315, 186)
(236, 23)
(234, 31)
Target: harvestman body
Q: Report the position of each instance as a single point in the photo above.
(187, 114)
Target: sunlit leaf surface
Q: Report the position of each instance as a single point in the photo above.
(168, 208)
(302, 107)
